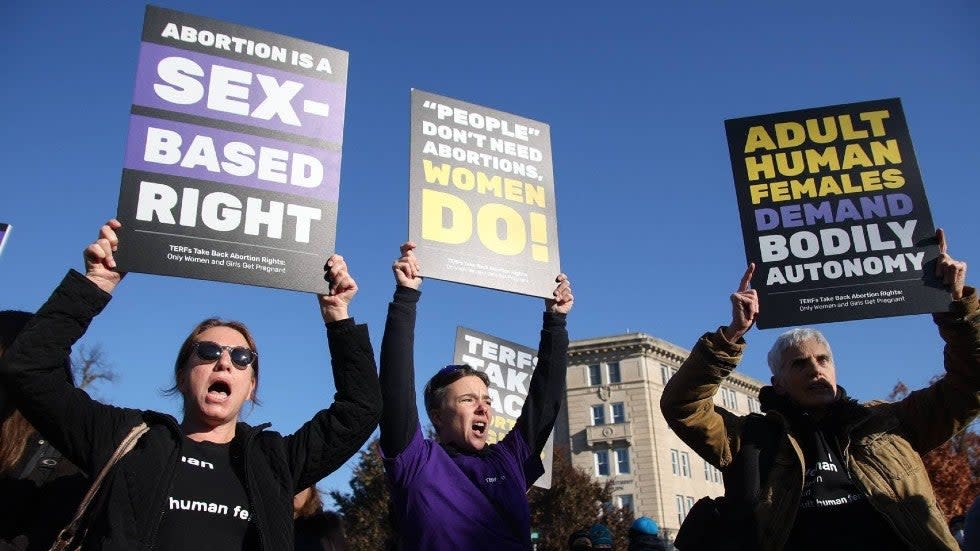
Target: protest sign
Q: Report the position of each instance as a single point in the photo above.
(509, 367)
(834, 214)
(232, 166)
(482, 196)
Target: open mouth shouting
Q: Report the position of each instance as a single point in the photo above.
(219, 391)
(480, 428)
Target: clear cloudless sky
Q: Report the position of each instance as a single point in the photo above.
(636, 94)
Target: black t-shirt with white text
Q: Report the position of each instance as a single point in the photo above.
(832, 500)
(207, 507)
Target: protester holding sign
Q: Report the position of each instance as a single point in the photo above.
(459, 492)
(833, 462)
(209, 481)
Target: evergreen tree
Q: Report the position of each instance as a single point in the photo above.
(366, 508)
(574, 501)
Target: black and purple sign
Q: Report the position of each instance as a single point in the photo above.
(834, 214)
(232, 166)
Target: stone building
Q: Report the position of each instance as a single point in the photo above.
(612, 425)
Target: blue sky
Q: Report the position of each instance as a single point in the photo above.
(636, 94)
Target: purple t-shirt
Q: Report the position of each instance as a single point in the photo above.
(448, 500)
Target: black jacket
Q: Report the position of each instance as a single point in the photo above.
(272, 467)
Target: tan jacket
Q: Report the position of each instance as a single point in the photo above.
(884, 440)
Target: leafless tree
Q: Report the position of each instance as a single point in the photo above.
(90, 366)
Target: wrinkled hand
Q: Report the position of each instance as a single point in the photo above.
(100, 266)
(333, 306)
(951, 271)
(408, 273)
(745, 307)
(563, 301)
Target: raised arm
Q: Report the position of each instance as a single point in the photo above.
(400, 418)
(687, 402)
(32, 368)
(547, 387)
(932, 415)
(745, 307)
(324, 443)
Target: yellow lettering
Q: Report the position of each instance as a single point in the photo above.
(806, 188)
(763, 164)
(789, 134)
(893, 178)
(515, 234)
(876, 118)
(829, 186)
(815, 160)
(779, 191)
(829, 124)
(758, 138)
(758, 192)
(886, 153)
(436, 175)
(512, 190)
(854, 155)
(435, 204)
(871, 180)
(847, 130)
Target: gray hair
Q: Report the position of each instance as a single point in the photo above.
(790, 338)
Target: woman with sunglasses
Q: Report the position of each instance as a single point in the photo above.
(208, 481)
(460, 492)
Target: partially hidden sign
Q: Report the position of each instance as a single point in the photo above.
(482, 196)
(509, 366)
(834, 214)
(232, 166)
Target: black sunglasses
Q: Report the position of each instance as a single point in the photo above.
(210, 351)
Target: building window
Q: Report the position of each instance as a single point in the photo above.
(675, 462)
(619, 412)
(729, 399)
(602, 462)
(754, 405)
(598, 415)
(622, 461)
(614, 376)
(665, 372)
(595, 375)
(625, 501)
(711, 473)
(685, 465)
(684, 504)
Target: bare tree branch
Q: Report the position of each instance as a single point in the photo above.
(90, 366)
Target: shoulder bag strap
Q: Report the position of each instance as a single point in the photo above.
(67, 535)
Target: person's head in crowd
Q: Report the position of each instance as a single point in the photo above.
(579, 540)
(459, 407)
(15, 429)
(644, 526)
(601, 536)
(803, 368)
(216, 371)
(644, 535)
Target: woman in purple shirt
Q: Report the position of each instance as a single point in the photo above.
(459, 492)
